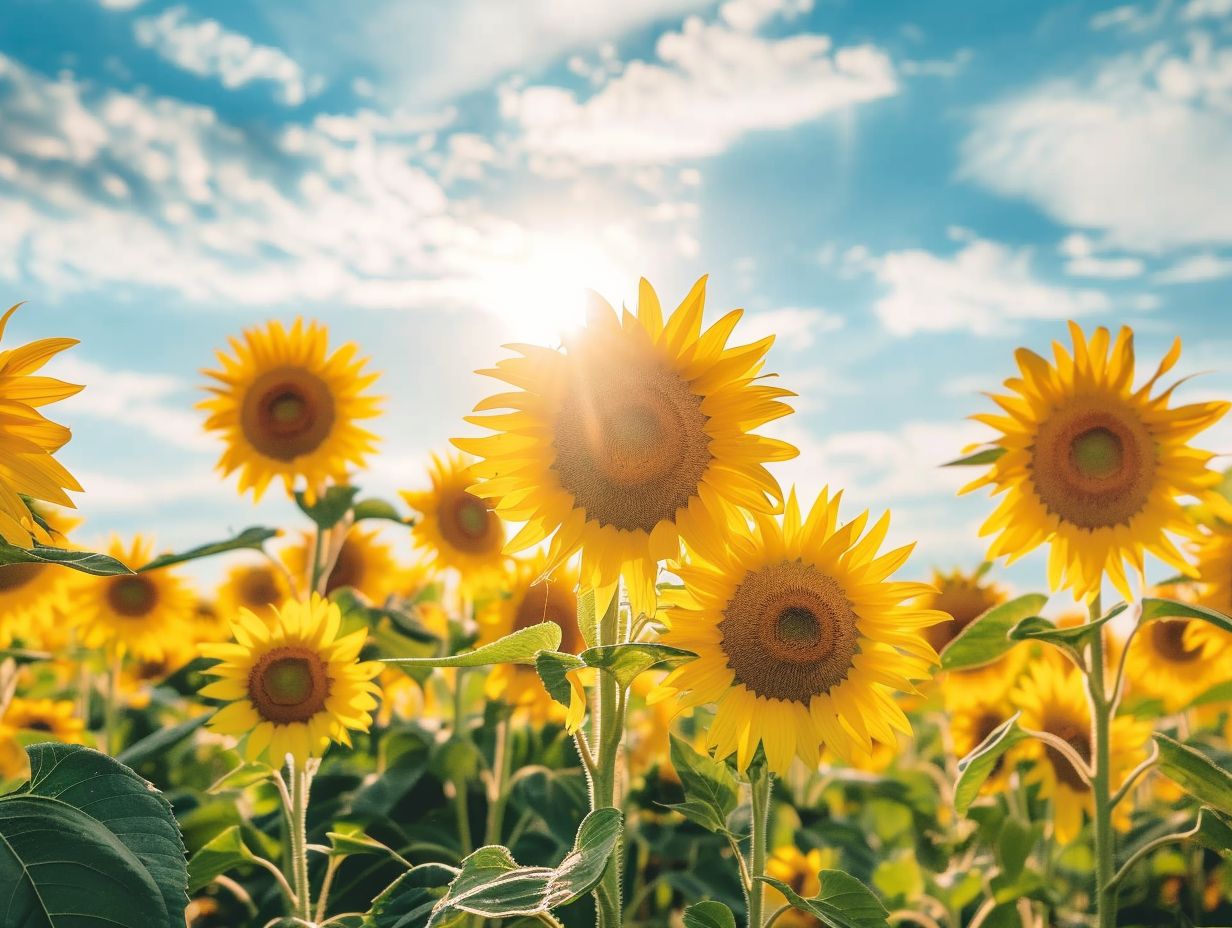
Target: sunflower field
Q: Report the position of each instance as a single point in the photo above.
(627, 678)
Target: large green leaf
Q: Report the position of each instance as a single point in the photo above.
(711, 790)
(1154, 608)
(1071, 639)
(327, 509)
(627, 661)
(88, 562)
(491, 884)
(987, 637)
(87, 839)
(553, 668)
(517, 648)
(844, 902)
(373, 508)
(224, 852)
(254, 538)
(1195, 773)
(1214, 831)
(408, 901)
(709, 914)
(977, 766)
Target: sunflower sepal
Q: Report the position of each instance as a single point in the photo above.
(987, 636)
(977, 766)
(87, 562)
(842, 902)
(520, 647)
(1195, 772)
(254, 537)
(329, 508)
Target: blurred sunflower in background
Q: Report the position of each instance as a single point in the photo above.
(1093, 467)
(456, 529)
(1176, 660)
(963, 597)
(1213, 554)
(28, 439)
(801, 871)
(801, 636)
(638, 433)
(52, 719)
(34, 596)
(973, 720)
(259, 588)
(289, 409)
(293, 685)
(365, 563)
(138, 615)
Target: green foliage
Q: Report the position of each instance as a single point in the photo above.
(587, 618)
(1154, 608)
(843, 902)
(626, 662)
(711, 790)
(328, 509)
(409, 900)
(520, 647)
(987, 637)
(1195, 773)
(553, 667)
(250, 538)
(160, 741)
(88, 562)
(978, 458)
(224, 852)
(373, 508)
(709, 914)
(977, 766)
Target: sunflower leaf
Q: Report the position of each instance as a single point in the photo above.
(986, 637)
(327, 509)
(843, 902)
(1072, 639)
(254, 537)
(1195, 773)
(711, 790)
(348, 839)
(1220, 692)
(1154, 608)
(88, 562)
(553, 668)
(587, 618)
(626, 662)
(977, 766)
(709, 914)
(373, 508)
(407, 902)
(520, 647)
(160, 741)
(225, 851)
(983, 456)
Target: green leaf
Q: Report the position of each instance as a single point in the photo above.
(711, 790)
(245, 775)
(900, 877)
(88, 562)
(254, 538)
(1014, 845)
(1214, 831)
(492, 885)
(977, 766)
(1195, 773)
(987, 637)
(844, 902)
(162, 740)
(329, 508)
(224, 852)
(552, 667)
(1073, 639)
(626, 662)
(86, 838)
(349, 839)
(376, 509)
(517, 648)
(983, 456)
(709, 914)
(1220, 692)
(587, 617)
(407, 902)
(1153, 609)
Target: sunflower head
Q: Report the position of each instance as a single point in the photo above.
(801, 636)
(258, 588)
(293, 685)
(964, 597)
(1093, 467)
(629, 438)
(50, 719)
(289, 409)
(364, 563)
(1175, 660)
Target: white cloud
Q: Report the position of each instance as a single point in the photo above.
(985, 287)
(1196, 269)
(711, 84)
(120, 4)
(1203, 9)
(794, 327)
(1129, 17)
(749, 15)
(207, 48)
(1084, 261)
(111, 492)
(938, 67)
(1141, 152)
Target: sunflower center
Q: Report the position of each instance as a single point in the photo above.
(15, 576)
(1168, 637)
(39, 725)
(132, 597)
(789, 632)
(468, 524)
(288, 684)
(631, 441)
(258, 589)
(1093, 463)
(1078, 738)
(287, 412)
(348, 568)
(550, 602)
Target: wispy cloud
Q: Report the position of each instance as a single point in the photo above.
(1196, 269)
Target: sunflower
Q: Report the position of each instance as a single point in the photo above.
(457, 529)
(293, 684)
(1176, 660)
(364, 563)
(801, 638)
(973, 720)
(1052, 698)
(28, 439)
(963, 597)
(802, 872)
(1091, 466)
(1214, 562)
(987, 681)
(287, 408)
(33, 596)
(53, 718)
(634, 436)
(259, 588)
(135, 614)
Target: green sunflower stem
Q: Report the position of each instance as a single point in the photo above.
(317, 546)
(1101, 781)
(761, 783)
(301, 784)
(605, 784)
(110, 708)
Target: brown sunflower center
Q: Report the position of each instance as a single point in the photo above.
(348, 568)
(789, 632)
(288, 684)
(15, 576)
(551, 602)
(1078, 738)
(631, 442)
(468, 524)
(964, 602)
(1168, 638)
(258, 588)
(1093, 463)
(287, 412)
(39, 725)
(132, 597)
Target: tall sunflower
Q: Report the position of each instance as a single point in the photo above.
(801, 636)
(365, 563)
(135, 614)
(1052, 698)
(1093, 467)
(293, 685)
(635, 435)
(28, 439)
(287, 408)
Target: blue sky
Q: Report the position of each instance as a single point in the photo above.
(903, 192)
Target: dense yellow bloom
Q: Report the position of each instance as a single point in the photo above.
(54, 719)
(1053, 698)
(288, 409)
(456, 529)
(801, 872)
(1092, 467)
(364, 563)
(139, 615)
(801, 637)
(293, 684)
(258, 588)
(28, 439)
(635, 435)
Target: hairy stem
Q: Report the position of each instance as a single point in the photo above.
(1101, 782)
(761, 783)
